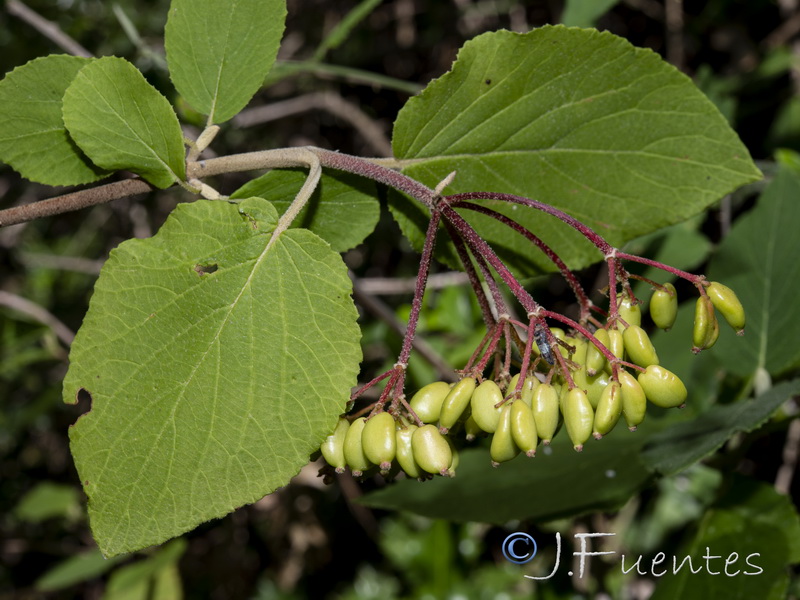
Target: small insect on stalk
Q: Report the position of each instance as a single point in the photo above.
(540, 336)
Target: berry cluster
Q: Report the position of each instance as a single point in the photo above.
(584, 380)
(382, 439)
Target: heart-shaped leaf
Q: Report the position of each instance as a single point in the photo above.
(217, 357)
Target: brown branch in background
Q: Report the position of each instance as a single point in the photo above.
(784, 32)
(790, 28)
(47, 28)
(791, 453)
(75, 264)
(370, 130)
(386, 314)
(38, 313)
(74, 201)
(650, 8)
(386, 286)
(676, 52)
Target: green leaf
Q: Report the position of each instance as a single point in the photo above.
(683, 444)
(33, 139)
(344, 28)
(219, 53)
(122, 122)
(146, 579)
(75, 569)
(48, 500)
(343, 209)
(217, 357)
(575, 118)
(758, 260)
(756, 523)
(584, 13)
(603, 477)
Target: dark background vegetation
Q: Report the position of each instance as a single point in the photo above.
(310, 540)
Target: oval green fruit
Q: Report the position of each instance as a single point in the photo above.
(523, 428)
(662, 387)
(616, 344)
(609, 410)
(706, 329)
(664, 306)
(727, 303)
(581, 349)
(634, 401)
(451, 470)
(405, 454)
(456, 402)
(471, 429)
(595, 386)
(503, 447)
(427, 402)
(631, 313)
(484, 403)
(378, 440)
(333, 447)
(545, 411)
(354, 450)
(431, 450)
(639, 347)
(578, 417)
(595, 360)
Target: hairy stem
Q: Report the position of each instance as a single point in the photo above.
(586, 231)
(566, 273)
(422, 279)
(479, 247)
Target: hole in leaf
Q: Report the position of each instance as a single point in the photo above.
(205, 269)
(83, 402)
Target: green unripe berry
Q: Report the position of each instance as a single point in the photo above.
(456, 402)
(503, 447)
(579, 377)
(405, 454)
(528, 386)
(662, 387)
(427, 402)
(578, 417)
(451, 470)
(634, 401)
(629, 312)
(333, 447)
(706, 328)
(484, 403)
(595, 360)
(727, 303)
(609, 410)
(523, 428)
(581, 348)
(639, 347)
(545, 411)
(664, 306)
(471, 429)
(379, 440)
(616, 344)
(595, 385)
(431, 450)
(354, 449)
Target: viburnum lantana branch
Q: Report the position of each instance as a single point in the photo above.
(280, 158)
(583, 299)
(587, 231)
(479, 247)
(475, 282)
(422, 280)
